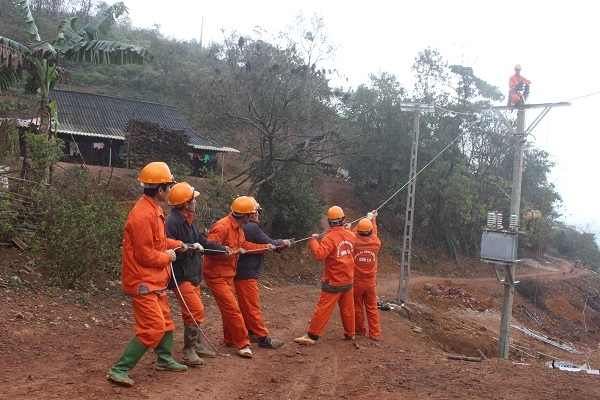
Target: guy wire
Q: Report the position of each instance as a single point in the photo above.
(421, 170)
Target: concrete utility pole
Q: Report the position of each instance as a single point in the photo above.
(515, 210)
(515, 206)
(201, 30)
(410, 199)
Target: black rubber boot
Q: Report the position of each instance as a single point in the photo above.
(269, 343)
(201, 350)
(190, 336)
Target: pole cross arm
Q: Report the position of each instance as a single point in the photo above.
(537, 120)
(546, 106)
(506, 122)
(525, 107)
(417, 106)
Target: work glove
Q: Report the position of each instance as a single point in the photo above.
(228, 250)
(183, 247)
(240, 251)
(348, 226)
(315, 236)
(271, 246)
(370, 216)
(198, 247)
(171, 254)
(288, 242)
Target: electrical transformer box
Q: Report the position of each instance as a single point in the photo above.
(499, 246)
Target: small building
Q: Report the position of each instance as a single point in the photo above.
(93, 127)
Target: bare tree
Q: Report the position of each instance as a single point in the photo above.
(84, 9)
(283, 104)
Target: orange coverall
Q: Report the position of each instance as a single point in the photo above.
(337, 251)
(513, 83)
(145, 270)
(246, 281)
(365, 282)
(219, 271)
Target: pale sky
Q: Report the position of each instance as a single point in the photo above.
(553, 41)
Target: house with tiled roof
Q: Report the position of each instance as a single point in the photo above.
(94, 126)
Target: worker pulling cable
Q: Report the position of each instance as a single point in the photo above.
(186, 273)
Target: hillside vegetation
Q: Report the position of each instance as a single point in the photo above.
(272, 97)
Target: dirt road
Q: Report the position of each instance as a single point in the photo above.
(55, 348)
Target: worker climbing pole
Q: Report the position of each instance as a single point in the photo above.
(519, 89)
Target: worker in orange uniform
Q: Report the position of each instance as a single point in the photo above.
(365, 276)
(185, 282)
(219, 271)
(147, 254)
(519, 88)
(337, 251)
(246, 282)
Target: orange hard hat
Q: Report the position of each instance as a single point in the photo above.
(364, 225)
(518, 66)
(256, 205)
(156, 173)
(335, 212)
(243, 205)
(182, 192)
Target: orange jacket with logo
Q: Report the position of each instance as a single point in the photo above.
(227, 232)
(337, 251)
(145, 266)
(366, 249)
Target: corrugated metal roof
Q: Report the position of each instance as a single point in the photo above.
(103, 116)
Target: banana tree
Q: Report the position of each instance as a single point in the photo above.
(9, 77)
(44, 58)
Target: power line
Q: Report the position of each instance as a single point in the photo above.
(465, 131)
(585, 95)
(455, 112)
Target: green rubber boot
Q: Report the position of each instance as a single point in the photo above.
(164, 351)
(130, 357)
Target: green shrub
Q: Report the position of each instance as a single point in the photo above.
(7, 218)
(81, 231)
(43, 154)
(11, 200)
(91, 77)
(213, 204)
(292, 204)
(180, 171)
